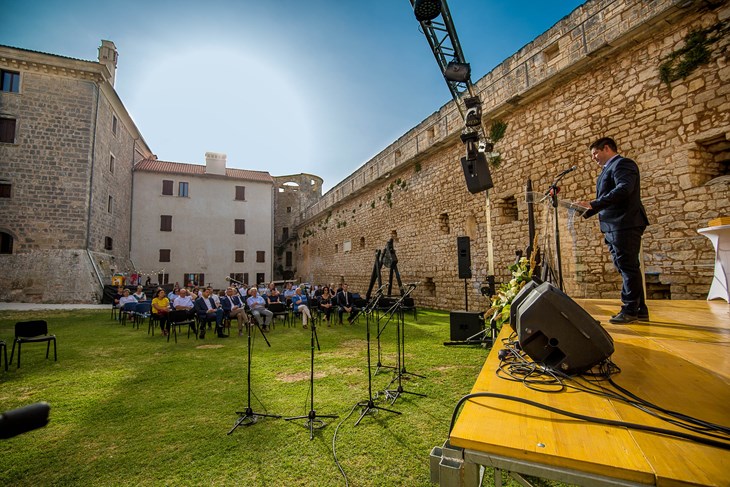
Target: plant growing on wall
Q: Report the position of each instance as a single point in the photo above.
(696, 51)
(496, 133)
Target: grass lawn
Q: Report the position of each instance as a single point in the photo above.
(131, 409)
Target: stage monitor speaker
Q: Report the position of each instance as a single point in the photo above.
(476, 172)
(554, 330)
(517, 300)
(465, 324)
(463, 247)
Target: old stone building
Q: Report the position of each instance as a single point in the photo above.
(201, 224)
(66, 156)
(294, 193)
(598, 72)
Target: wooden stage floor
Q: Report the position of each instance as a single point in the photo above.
(679, 359)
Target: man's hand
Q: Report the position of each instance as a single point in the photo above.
(584, 204)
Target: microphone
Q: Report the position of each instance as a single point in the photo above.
(570, 169)
(413, 284)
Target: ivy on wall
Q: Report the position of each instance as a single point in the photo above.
(696, 51)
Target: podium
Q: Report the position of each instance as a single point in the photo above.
(720, 238)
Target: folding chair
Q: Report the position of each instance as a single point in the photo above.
(127, 311)
(141, 312)
(279, 309)
(33, 332)
(179, 318)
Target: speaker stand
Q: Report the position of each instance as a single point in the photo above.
(466, 295)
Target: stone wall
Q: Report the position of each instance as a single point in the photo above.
(596, 73)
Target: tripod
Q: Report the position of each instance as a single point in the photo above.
(312, 416)
(369, 406)
(394, 394)
(248, 417)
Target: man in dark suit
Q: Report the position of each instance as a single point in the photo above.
(207, 312)
(233, 307)
(346, 303)
(622, 220)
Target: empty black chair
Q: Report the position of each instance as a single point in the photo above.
(179, 318)
(141, 312)
(279, 309)
(409, 305)
(30, 332)
(4, 350)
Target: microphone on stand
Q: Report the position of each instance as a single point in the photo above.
(570, 169)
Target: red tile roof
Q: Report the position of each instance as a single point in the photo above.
(153, 165)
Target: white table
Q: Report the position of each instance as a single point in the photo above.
(720, 238)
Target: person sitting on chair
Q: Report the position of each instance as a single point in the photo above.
(185, 303)
(208, 312)
(346, 303)
(233, 308)
(272, 294)
(160, 308)
(299, 305)
(257, 304)
(325, 303)
(139, 295)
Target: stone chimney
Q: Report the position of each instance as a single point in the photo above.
(108, 57)
(215, 163)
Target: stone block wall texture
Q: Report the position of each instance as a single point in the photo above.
(59, 168)
(594, 74)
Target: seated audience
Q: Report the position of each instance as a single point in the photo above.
(160, 309)
(174, 294)
(299, 304)
(257, 305)
(325, 303)
(207, 312)
(139, 295)
(346, 303)
(272, 294)
(288, 291)
(233, 307)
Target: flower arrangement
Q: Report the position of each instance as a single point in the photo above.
(501, 302)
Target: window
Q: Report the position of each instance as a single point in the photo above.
(236, 276)
(6, 243)
(245, 277)
(163, 279)
(108, 243)
(167, 187)
(241, 193)
(260, 256)
(288, 259)
(9, 81)
(164, 255)
(240, 227)
(260, 278)
(5, 190)
(239, 255)
(182, 189)
(362, 242)
(109, 205)
(111, 163)
(166, 223)
(194, 279)
(114, 124)
(285, 233)
(288, 209)
(7, 130)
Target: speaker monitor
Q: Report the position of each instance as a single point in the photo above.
(517, 300)
(476, 172)
(463, 247)
(465, 324)
(554, 330)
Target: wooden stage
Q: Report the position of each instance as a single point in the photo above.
(679, 360)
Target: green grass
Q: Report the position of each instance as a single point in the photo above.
(129, 408)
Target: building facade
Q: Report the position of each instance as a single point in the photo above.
(200, 224)
(66, 155)
(601, 71)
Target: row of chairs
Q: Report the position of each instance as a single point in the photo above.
(34, 331)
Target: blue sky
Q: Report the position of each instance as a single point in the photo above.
(284, 86)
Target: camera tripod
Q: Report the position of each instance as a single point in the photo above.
(248, 416)
(396, 309)
(312, 416)
(369, 406)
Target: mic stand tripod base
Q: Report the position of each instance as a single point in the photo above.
(248, 417)
(369, 407)
(393, 394)
(312, 420)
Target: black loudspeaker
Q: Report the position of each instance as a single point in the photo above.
(554, 330)
(465, 324)
(463, 248)
(476, 172)
(517, 300)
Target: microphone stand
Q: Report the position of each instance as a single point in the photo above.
(369, 406)
(248, 417)
(394, 394)
(553, 193)
(380, 365)
(312, 416)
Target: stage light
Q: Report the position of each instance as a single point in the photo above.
(457, 72)
(473, 116)
(427, 10)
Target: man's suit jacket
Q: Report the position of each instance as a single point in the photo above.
(227, 303)
(618, 197)
(201, 309)
(341, 299)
